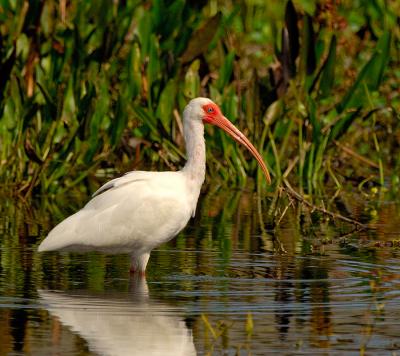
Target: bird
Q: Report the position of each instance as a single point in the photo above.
(141, 210)
(114, 323)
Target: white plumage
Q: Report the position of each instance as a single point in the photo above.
(122, 323)
(141, 210)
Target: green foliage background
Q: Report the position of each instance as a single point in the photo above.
(90, 89)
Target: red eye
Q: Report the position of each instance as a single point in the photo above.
(210, 109)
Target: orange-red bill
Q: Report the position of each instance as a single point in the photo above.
(223, 123)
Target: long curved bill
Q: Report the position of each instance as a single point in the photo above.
(223, 123)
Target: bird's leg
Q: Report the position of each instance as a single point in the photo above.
(139, 263)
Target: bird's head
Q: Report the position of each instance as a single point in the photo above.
(208, 112)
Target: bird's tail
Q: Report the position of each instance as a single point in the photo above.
(62, 236)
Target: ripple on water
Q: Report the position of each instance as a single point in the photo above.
(310, 304)
(347, 298)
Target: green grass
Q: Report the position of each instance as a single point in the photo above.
(92, 89)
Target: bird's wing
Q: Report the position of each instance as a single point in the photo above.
(121, 181)
(137, 212)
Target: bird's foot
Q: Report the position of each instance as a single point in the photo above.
(135, 271)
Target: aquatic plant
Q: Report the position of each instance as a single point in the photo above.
(93, 89)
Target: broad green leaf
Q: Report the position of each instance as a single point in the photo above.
(153, 67)
(119, 123)
(5, 72)
(148, 119)
(371, 75)
(312, 115)
(134, 72)
(50, 100)
(343, 125)
(328, 71)
(145, 34)
(192, 80)
(225, 72)
(166, 105)
(201, 39)
(293, 35)
(169, 18)
(308, 46)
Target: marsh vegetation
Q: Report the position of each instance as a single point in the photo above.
(90, 90)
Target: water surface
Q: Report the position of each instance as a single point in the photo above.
(228, 285)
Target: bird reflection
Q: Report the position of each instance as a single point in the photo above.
(122, 324)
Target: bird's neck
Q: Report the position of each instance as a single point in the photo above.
(195, 167)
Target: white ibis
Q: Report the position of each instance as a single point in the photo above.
(122, 324)
(141, 210)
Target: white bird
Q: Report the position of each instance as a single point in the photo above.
(121, 323)
(141, 210)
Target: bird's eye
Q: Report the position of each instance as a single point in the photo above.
(210, 109)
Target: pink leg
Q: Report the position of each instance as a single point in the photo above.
(139, 263)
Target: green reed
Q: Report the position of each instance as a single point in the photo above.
(90, 89)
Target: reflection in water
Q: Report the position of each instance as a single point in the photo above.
(113, 325)
(310, 288)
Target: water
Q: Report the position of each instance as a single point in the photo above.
(228, 285)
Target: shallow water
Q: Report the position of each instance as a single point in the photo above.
(227, 285)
